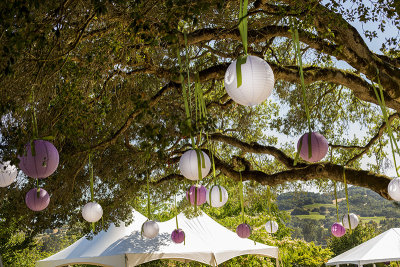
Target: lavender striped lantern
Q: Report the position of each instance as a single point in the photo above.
(201, 195)
(319, 147)
(43, 163)
(178, 236)
(243, 230)
(338, 230)
(37, 201)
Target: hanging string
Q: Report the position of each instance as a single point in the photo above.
(91, 184)
(241, 195)
(185, 99)
(243, 34)
(381, 102)
(296, 43)
(347, 195)
(176, 213)
(148, 196)
(269, 205)
(335, 191)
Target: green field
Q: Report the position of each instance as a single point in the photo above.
(317, 205)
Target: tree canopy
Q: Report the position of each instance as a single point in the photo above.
(103, 78)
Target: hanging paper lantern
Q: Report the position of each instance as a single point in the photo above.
(353, 221)
(43, 164)
(8, 174)
(218, 195)
(243, 230)
(271, 227)
(92, 212)
(201, 195)
(178, 236)
(394, 189)
(257, 81)
(188, 165)
(319, 147)
(37, 201)
(150, 229)
(338, 229)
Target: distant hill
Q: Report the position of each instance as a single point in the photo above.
(312, 214)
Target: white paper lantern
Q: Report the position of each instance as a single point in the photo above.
(188, 165)
(394, 189)
(150, 229)
(8, 174)
(257, 81)
(219, 196)
(271, 227)
(353, 221)
(92, 212)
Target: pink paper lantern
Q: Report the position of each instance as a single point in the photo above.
(338, 230)
(178, 236)
(319, 147)
(37, 201)
(201, 195)
(43, 164)
(243, 230)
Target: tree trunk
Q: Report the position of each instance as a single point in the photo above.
(1, 263)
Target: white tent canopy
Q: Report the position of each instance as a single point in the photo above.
(382, 248)
(206, 241)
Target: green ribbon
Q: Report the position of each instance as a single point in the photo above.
(37, 188)
(269, 205)
(91, 185)
(336, 201)
(296, 159)
(241, 196)
(239, 62)
(148, 196)
(243, 23)
(243, 34)
(381, 101)
(296, 42)
(176, 212)
(185, 98)
(347, 196)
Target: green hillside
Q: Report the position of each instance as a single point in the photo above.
(312, 214)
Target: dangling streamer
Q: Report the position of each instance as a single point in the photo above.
(381, 102)
(347, 196)
(241, 196)
(91, 185)
(296, 42)
(269, 205)
(185, 99)
(336, 201)
(38, 188)
(148, 196)
(243, 34)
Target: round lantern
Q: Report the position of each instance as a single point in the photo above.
(201, 195)
(178, 236)
(37, 200)
(188, 165)
(319, 147)
(257, 81)
(150, 229)
(338, 229)
(8, 174)
(43, 163)
(243, 230)
(92, 212)
(394, 189)
(217, 196)
(353, 221)
(271, 227)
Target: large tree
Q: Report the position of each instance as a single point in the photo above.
(103, 77)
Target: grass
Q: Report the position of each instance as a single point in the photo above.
(312, 215)
(375, 219)
(317, 205)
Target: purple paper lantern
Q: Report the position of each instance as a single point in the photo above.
(43, 164)
(178, 236)
(37, 201)
(243, 230)
(319, 147)
(201, 195)
(338, 230)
